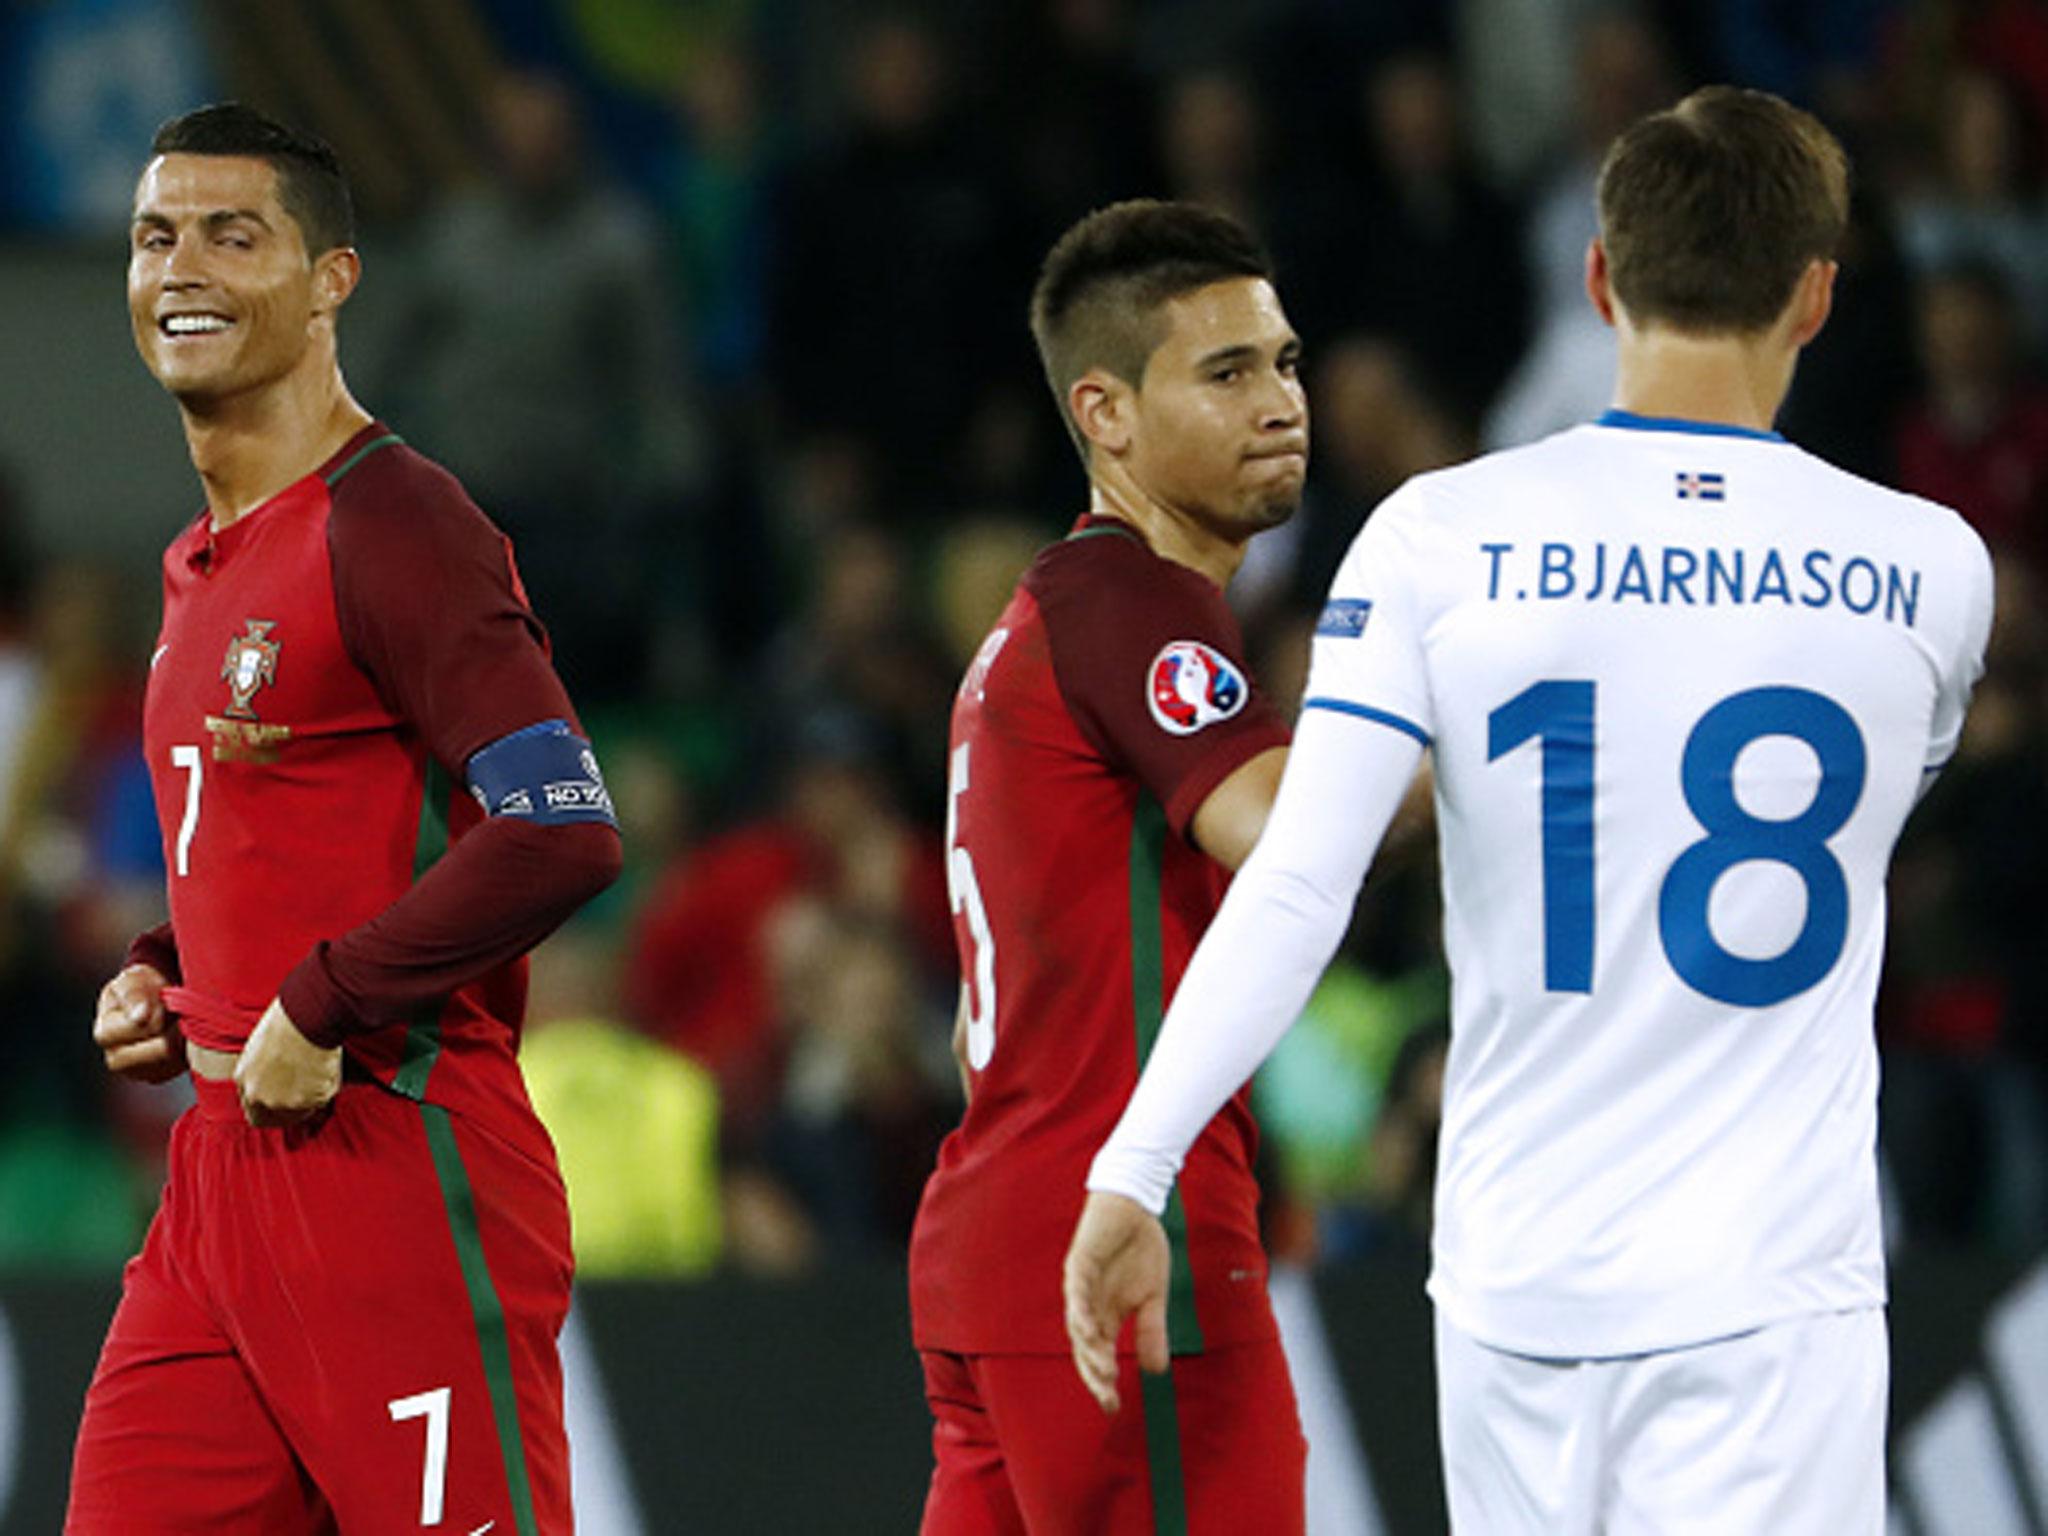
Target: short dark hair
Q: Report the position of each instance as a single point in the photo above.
(1711, 210)
(1099, 294)
(310, 182)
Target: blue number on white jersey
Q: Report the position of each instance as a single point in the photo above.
(1561, 716)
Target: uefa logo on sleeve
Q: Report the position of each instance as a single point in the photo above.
(1194, 685)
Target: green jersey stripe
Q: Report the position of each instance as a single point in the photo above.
(422, 1049)
(431, 841)
(388, 440)
(1148, 998)
(423, 1040)
(486, 1311)
(1162, 1455)
(1107, 530)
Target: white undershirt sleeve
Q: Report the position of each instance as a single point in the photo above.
(1261, 958)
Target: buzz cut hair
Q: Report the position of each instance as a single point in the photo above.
(1100, 297)
(310, 182)
(1711, 210)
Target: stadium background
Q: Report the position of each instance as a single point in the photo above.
(718, 307)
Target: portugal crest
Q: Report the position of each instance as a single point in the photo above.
(251, 662)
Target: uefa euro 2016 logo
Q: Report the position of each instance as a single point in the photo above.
(1194, 685)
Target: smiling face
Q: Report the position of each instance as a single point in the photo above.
(222, 295)
(1218, 426)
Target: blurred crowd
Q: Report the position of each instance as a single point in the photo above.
(748, 381)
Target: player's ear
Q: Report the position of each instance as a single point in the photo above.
(1100, 404)
(1813, 300)
(1599, 285)
(335, 275)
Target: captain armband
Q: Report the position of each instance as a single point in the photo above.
(545, 774)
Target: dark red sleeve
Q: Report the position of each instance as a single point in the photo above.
(1112, 610)
(502, 888)
(157, 947)
(431, 609)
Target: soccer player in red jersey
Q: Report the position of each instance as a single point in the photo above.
(374, 798)
(1109, 759)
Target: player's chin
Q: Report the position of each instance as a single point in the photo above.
(193, 388)
(1270, 506)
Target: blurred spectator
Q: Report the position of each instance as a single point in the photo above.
(1620, 72)
(1307, 57)
(1821, 55)
(1402, 1169)
(867, 1098)
(1418, 248)
(714, 603)
(1981, 200)
(1076, 110)
(2010, 36)
(701, 967)
(1965, 1095)
(888, 312)
(860, 649)
(719, 216)
(1856, 378)
(1566, 376)
(1210, 143)
(1520, 79)
(539, 366)
(1978, 440)
(79, 875)
(635, 1124)
(79, 860)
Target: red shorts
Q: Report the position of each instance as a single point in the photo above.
(1214, 1448)
(348, 1325)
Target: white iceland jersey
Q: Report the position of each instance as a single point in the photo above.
(1682, 686)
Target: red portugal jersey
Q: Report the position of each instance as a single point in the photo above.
(327, 664)
(1101, 711)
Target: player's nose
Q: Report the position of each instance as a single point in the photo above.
(183, 266)
(1283, 404)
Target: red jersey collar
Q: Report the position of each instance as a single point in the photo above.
(211, 545)
(1090, 524)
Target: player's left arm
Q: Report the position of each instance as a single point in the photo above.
(1228, 822)
(432, 611)
(1249, 979)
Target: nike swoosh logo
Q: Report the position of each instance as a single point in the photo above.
(155, 657)
(487, 1525)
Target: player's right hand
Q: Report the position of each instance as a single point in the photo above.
(135, 1035)
(1117, 1264)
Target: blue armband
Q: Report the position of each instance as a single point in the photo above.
(545, 774)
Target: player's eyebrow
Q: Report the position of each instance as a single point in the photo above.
(1241, 352)
(217, 219)
(1245, 352)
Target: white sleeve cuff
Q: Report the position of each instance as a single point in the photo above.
(1145, 1176)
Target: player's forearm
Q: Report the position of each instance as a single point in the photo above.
(1261, 958)
(499, 891)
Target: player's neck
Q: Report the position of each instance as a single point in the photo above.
(251, 446)
(1737, 381)
(1171, 535)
